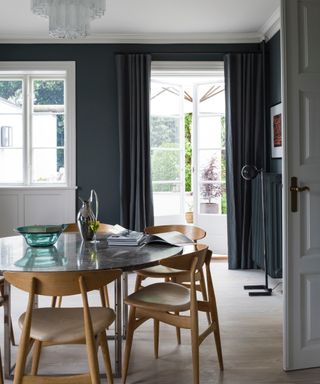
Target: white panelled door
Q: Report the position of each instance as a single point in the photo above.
(301, 64)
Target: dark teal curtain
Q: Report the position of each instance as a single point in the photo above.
(245, 144)
(133, 77)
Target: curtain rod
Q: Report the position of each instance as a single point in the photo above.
(187, 53)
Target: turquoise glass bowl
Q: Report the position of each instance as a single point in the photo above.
(41, 235)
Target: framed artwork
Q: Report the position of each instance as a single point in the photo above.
(276, 130)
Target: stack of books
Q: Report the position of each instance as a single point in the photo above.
(130, 238)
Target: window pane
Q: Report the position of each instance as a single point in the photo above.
(60, 130)
(11, 170)
(166, 203)
(210, 165)
(164, 100)
(48, 166)
(164, 132)
(210, 191)
(11, 132)
(165, 187)
(11, 93)
(165, 165)
(211, 98)
(47, 130)
(213, 198)
(223, 165)
(48, 92)
(224, 199)
(210, 132)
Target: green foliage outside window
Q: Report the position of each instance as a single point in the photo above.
(165, 166)
(188, 151)
(164, 132)
(11, 91)
(48, 92)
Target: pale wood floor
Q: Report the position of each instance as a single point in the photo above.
(251, 329)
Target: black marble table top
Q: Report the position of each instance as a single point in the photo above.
(71, 254)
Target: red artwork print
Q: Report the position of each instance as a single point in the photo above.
(277, 137)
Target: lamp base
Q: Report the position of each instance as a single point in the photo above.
(266, 291)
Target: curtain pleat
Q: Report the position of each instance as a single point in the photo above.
(245, 144)
(133, 77)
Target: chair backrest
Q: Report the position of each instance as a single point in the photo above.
(194, 233)
(60, 283)
(191, 261)
(103, 228)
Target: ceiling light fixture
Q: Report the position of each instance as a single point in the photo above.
(69, 19)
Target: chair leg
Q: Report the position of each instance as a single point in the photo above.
(12, 338)
(204, 292)
(156, 337)
(93, 363)
(36, 357)
(216, 332)
(53, 301)
(195, 347)
(178, 332)
(127, 351)
(106, 296)
(1, 370)
(139, 279)
(214, 316)
(102, 297)
(59, 301)
(21, 358)
(106, 356)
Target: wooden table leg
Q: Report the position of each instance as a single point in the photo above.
(118, 326)
(7, 327)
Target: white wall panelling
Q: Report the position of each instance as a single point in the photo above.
(27, 206)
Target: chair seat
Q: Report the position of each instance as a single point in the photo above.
(161, 271)
(163, 297)
(66, 325)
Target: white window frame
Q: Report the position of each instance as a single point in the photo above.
(67, 70)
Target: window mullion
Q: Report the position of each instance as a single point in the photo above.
(28, 120)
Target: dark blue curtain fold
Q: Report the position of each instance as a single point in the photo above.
(245, 142)
(133, 77)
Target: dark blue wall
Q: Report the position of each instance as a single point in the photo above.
(96, 103)
(273, 76)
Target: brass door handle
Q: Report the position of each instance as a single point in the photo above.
(294, 189)
(299, 189)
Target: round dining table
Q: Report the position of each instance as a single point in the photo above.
(70, 253)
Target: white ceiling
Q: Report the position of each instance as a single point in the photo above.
(151, 20)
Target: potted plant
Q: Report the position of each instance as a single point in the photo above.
(189, 212)
(211, 190)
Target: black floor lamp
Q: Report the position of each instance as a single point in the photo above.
(249, 172)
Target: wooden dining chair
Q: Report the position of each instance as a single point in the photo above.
(103, 228)
(181, 277)
(56, 326)
(2, 300)
(165, 301)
